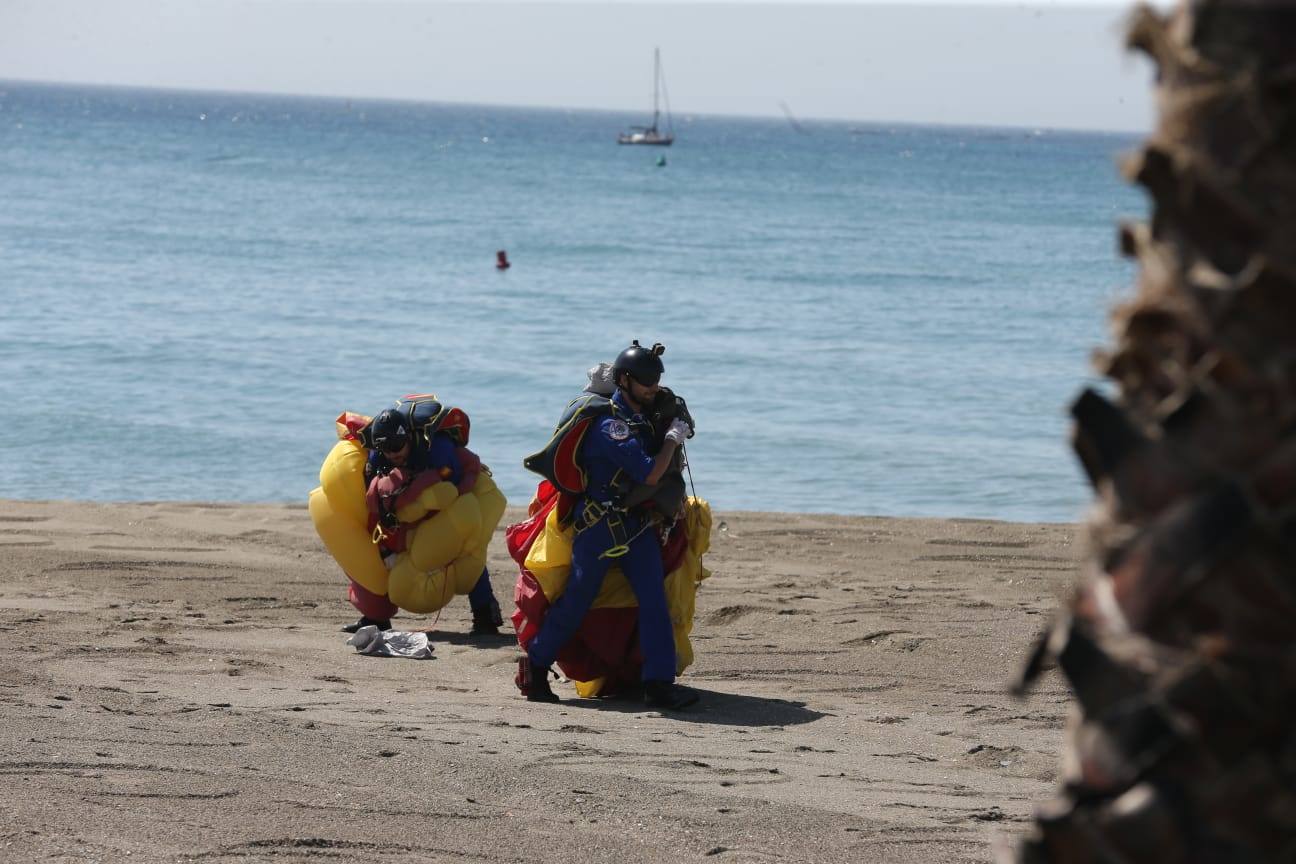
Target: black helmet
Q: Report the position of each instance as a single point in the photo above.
(390, 431)
(643, 364)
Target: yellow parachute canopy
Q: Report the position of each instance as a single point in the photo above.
(444, 554)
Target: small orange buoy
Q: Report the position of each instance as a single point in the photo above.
(501, 260)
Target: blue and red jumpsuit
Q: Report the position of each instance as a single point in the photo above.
(614, 445)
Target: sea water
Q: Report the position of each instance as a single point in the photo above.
(864, 318)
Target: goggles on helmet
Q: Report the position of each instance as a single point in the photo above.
(647, 377)
(392, 443)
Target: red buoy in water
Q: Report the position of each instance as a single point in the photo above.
(501, 260)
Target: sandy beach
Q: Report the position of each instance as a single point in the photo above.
(175, 688)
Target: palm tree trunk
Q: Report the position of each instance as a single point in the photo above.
(1180, 644)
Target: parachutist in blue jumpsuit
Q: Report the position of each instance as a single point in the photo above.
(605, 535)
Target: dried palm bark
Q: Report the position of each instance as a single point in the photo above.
(1180, 644)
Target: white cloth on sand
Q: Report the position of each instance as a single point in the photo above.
(373, 642)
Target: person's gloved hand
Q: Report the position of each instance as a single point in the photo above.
(678, 431)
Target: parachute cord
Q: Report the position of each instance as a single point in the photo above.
(449, 590)
(689, 468)
(444, 601)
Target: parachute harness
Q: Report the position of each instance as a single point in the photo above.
(387, 522)
(596, 511)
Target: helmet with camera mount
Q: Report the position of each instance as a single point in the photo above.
(642, 364)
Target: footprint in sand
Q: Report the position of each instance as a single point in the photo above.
(729, 614)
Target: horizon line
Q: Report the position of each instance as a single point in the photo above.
(585, 109)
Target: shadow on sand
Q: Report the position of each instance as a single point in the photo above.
(721, 709)
(500, 640)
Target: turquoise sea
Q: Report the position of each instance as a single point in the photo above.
(864, 318)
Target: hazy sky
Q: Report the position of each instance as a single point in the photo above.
(1036, 65)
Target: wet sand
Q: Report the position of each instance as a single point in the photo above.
(175, 688)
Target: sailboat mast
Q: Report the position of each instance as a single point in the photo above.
(656, 80)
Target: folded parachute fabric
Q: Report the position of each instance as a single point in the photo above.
(372, 642)
(604, 653)
(445, 531)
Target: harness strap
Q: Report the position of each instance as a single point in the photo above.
(387, 521)
(595, 512)
(617, 528)
(589, 515)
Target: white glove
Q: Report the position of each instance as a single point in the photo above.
(677, 432)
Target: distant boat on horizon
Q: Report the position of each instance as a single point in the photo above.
(651, 134)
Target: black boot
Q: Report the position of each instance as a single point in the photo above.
(487, 620)
(533, 680)
(667, 696)
(380, 623)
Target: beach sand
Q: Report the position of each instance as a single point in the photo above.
(174, 687)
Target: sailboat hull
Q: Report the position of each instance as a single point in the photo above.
(647, 139)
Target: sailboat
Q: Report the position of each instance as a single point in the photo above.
(651, 134)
